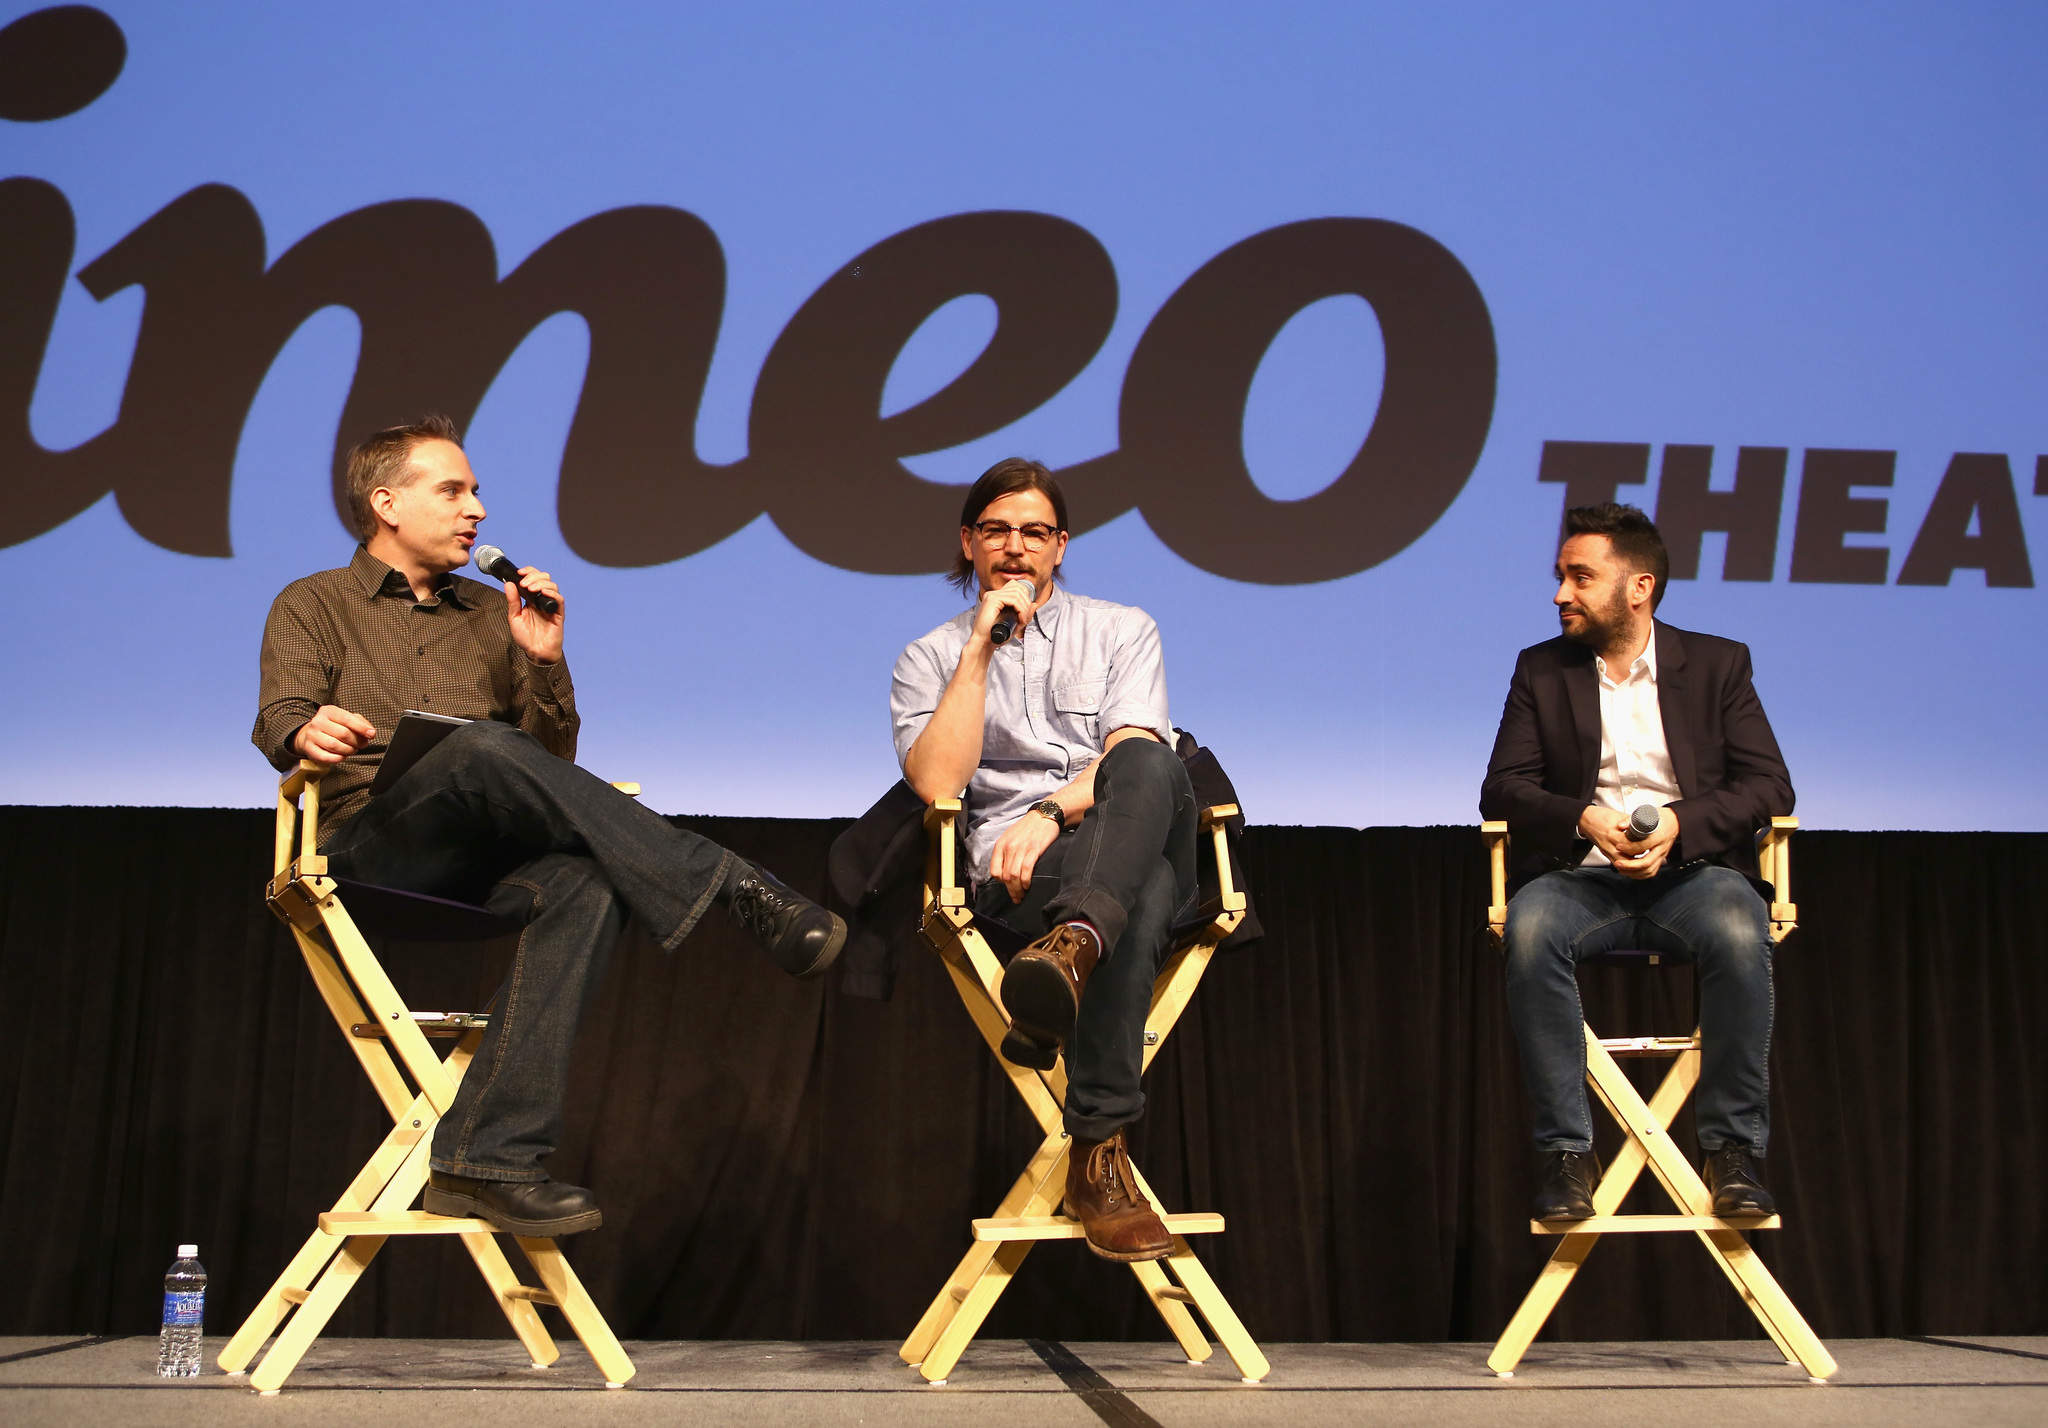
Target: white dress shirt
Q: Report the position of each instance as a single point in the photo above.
(1635, 762)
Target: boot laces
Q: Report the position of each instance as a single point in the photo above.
(1106, 1168)
(752, 906)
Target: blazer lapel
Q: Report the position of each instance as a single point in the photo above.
(1671, 708)
(1582, 689)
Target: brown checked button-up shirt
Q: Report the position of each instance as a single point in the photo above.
(357, 638)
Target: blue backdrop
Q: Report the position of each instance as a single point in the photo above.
(1796, 229)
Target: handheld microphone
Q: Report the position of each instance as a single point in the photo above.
(1643, 821)
(1006, 623)
(492, 561)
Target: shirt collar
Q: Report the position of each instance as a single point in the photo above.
(375, 577)
(1647, 660)
(1048, 617)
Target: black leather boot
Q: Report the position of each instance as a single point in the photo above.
(538, 1209)
(803, 938)
(1564, 1185)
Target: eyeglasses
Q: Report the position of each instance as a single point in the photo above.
(998, 533)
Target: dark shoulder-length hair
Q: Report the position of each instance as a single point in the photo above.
(1006, 478)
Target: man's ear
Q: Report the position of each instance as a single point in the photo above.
(382, 502)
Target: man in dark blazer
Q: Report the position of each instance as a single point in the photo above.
(1620, 711)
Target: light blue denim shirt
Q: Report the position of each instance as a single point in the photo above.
(1079, 672)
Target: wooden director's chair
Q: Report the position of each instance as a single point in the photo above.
(1649, 1145)
(378, 1203)
(1026, 1215)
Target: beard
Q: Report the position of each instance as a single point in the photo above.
(1602, 627)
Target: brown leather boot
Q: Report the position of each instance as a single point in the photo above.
(1104, 1196)
(1042, 986)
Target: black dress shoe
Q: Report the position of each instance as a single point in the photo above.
(1565, 1181)
(1736, 1177)
(802, 937)
(538, 1209)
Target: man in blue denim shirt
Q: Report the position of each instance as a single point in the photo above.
(1080, 819)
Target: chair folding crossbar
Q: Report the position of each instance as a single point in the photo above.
(1650, 1146)
(1028, 1213)
(390, 1042)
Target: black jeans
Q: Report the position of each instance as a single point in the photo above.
(1128, 868)
(1705, 915)
(491, 816)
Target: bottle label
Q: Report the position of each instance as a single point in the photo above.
(182, 1309)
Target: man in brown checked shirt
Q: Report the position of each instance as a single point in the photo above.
(497, 812)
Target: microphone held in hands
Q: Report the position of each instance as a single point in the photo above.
(1643, 821)
(1006, 623)
(492, 561)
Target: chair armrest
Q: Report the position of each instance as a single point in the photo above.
(294, 783)
(942, 868)
(1495, 834)
(1213, 822)
(305, 779)
(1774, 863)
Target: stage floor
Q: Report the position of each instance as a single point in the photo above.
(1981, 1382)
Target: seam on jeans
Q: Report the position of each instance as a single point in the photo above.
(711, 890)
(512, 987)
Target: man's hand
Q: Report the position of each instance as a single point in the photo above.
(1017, 852)
(332, 734)
(1008, 596)
(1609, 831)
(540, 636)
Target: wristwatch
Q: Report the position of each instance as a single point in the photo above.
(1052, 810)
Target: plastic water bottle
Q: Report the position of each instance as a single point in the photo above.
(177, 1354)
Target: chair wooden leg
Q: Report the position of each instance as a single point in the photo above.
(1773, 1309)
(981, 1297)
(1550, 1285)
(370, 1183)
(953, 1318)
(1230, 1331)
(1179, 1322)
(1650, 1146)
(520, 1313)
(1033, 1193)
(1749, 1300)
(574, 1301)
(312, 1316)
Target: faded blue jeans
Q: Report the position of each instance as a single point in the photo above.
(1706, 915)
(491, 816)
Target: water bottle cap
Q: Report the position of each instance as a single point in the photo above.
(188, 1251)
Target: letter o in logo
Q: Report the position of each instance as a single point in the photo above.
(1184, 396)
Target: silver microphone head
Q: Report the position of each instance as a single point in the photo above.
(1644, 820)
(489, 556)
(1030, 590)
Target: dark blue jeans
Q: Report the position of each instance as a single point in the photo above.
(491, 816)
(1706, 915)
(1128, 868)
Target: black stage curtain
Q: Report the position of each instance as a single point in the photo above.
(776, 1160)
